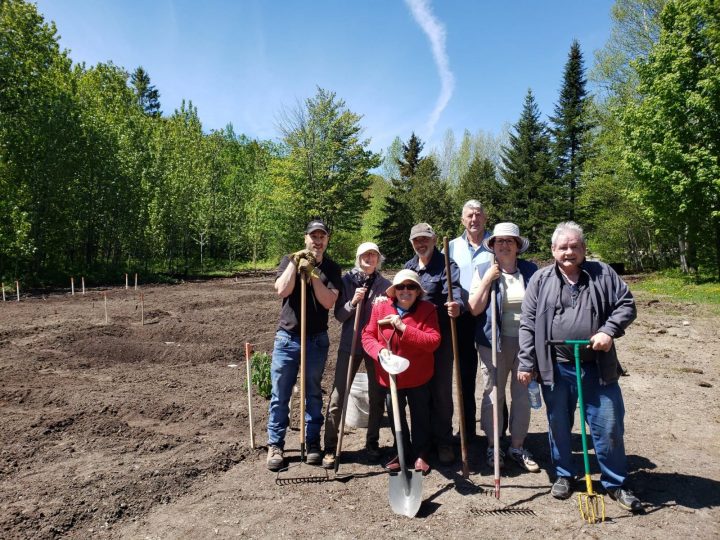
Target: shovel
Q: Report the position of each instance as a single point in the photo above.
(591, 504)
(405, 489)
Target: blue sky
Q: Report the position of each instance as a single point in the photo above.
(405, 65)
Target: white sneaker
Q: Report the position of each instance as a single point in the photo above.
(524, 458)
(491, 457)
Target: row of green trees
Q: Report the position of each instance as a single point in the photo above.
(94, 178)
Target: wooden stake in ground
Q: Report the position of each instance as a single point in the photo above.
(83, 283)
(136, 281)
(105, 301)
(3, 291)
(17, 289)
(248, 353)
(72, 286)
(126, 282)
(142, 309)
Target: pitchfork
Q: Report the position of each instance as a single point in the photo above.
(591, 504)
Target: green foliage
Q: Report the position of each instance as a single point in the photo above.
(329, 162)
(147, 96)
(672, 134)
(480, 182)
(260, 373)
(531, 194)
(570, 129)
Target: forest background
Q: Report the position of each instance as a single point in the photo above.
(96, 180)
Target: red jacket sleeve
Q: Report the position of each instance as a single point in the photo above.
(370, 338)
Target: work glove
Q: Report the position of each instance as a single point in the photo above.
(306, 268)
(300, 255)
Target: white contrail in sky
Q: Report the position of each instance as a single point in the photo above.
(435, 31)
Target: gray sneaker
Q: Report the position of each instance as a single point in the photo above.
(314, 454)
(626, 499)
(562, 488)
(275, 459)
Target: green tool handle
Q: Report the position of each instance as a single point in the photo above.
(576, 345)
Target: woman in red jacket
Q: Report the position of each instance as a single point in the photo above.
(410, 326)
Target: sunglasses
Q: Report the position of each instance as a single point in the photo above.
(408, 286)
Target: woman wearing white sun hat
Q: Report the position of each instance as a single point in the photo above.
(510, 277)
(364, 283)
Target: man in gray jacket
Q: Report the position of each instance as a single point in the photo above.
(579, 299)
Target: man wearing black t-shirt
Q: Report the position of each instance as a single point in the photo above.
(323, 279)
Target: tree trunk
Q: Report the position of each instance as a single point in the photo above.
(683, 248)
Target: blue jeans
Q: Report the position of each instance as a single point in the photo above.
(604, 413)
(284, 373)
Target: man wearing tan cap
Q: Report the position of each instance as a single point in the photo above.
(429, 263)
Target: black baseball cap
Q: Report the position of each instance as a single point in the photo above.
(317, 225)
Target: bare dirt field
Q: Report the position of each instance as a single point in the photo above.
(123, 430)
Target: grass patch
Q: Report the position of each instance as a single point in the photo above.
(681, 288)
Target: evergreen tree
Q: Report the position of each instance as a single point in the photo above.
(480, 182)
(411, 157)
(395, 226)
(148, 97)
(570, 128)
(429, 199)
(527, 171)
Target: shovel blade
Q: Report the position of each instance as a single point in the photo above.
(406, 493)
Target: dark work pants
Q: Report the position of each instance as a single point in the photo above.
(416, 441)
(468, 358)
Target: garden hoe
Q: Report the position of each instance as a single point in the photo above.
(591, 504)
(495, 409)
(405, 490)
(348, 383)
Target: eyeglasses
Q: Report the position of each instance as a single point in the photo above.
(504, 241)
(408, 286)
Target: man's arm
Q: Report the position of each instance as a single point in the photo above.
(285, 283)
(324, 295)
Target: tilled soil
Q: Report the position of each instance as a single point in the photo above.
(130, 430)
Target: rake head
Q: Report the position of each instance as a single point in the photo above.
(592, 507)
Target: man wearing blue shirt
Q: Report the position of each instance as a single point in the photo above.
(467, 251)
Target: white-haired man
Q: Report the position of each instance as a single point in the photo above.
(577, 299)
(468, 252)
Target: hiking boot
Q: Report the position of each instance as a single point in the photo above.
(524, 458)
(626, 499)
(393, 465)
(372, 450)
(491, 457)
(422, 465)
(314, 455)
(562, 488)
(328, 461)
(275, 459)
(446, 454)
